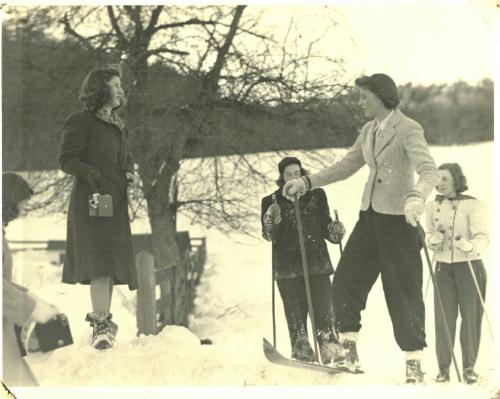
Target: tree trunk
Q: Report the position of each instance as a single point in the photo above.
(161, 218)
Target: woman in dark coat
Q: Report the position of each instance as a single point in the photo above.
(95, 151)
(279, 226)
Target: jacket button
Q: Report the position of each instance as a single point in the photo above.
(379, 180)
(438, 210)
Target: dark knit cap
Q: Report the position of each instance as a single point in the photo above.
(288, 161)
(382, 86)
(14, 190)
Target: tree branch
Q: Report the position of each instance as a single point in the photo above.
(135, 15)
(192, 21)
(70, 31)
(122, 41)
(212, 77)
(155, 15)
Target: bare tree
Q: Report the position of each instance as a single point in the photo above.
(226, 75)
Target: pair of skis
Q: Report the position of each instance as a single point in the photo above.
(275, 357)
(270, 351)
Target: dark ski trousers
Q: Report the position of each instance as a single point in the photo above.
(386, 245)
(458, 292)
(294, 297)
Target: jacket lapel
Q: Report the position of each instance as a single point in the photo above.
(388, 133)
(370, 157)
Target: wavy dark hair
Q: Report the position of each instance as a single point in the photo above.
(459, 179)
(14, 190)
(94, 92)
(280, 181)
(382, 86)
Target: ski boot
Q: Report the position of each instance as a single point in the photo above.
(302, 350)
(414, 374)
(330, 352)
(444, 375)
(470, 377)
(102, 337)
(349, 357)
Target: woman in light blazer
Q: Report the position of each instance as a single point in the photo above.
(384, 240)
(458, 235)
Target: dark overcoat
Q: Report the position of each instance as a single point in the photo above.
(97, 246)
(315, 215)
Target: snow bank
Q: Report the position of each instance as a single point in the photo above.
(233, 309)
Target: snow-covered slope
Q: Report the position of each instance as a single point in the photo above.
(233, 309)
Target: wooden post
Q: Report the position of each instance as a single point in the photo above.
(146, 298)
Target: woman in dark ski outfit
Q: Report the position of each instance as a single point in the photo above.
(457, 226)
(94, 150)
(279, 226)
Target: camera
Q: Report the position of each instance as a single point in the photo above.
(46, 337)
(100, 205)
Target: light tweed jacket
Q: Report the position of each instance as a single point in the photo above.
(465, 217)
(400, 151)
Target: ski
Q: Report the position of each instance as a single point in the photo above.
(277, 358)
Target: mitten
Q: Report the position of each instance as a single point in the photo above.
(464, 245)
(436, 241)
(43, 312)
(336, 231)
(414, 208)
(96, 182)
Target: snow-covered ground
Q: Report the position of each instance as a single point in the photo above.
(233, 309)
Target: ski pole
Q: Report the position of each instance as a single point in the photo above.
(471, 269)
(337, 219)
(421, 236)
(273, 309)
(428, 280)
(306, 274)
(273, 291)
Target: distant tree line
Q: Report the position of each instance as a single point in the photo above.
(240, 99)
(459, 113)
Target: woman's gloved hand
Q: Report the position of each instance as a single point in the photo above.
(294, 188)
(463, 244)
(273, 214)
(436, 241)
(43, 311)
(336, 231)
(96, 182)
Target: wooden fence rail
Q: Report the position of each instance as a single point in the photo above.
(166, 296)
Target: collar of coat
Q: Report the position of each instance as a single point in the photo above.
(387, 133)
(111, 118)
(459, 197)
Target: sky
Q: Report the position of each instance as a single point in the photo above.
(429, 41)
(425, 41)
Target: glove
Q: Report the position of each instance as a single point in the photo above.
(336, 231)
(96, 182)
(273, 214)
(43, 312)
(414, 208)
(436, 241)
(464, 245)
(293, 188)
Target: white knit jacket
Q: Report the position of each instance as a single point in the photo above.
(465, 217)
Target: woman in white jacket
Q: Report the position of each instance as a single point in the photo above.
(458, 235)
